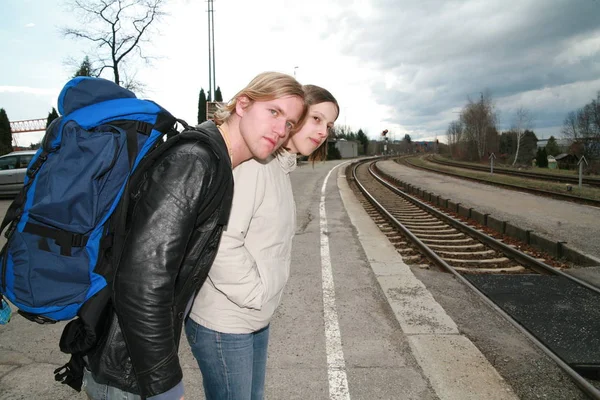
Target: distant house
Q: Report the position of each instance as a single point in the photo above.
(347, 148)
(424, 146)
(566, 161)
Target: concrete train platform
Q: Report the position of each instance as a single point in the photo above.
(355, 323)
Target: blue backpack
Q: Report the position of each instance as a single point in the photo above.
(61, 230)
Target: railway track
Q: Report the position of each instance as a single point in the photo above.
(538, 192)
(547, 305)
(590, 181)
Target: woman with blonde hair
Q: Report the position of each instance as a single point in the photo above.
(228, 326)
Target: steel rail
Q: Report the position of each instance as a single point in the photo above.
(590, 390)
(521, 257)
(531, 175)
(539, 192)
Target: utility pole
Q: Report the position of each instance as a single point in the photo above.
(212, 86)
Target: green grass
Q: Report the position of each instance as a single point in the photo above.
(584, 192)
(547, 171)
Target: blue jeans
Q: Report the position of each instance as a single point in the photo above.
(233, 366)
(98, 391)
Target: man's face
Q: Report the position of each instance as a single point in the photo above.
(265, 125)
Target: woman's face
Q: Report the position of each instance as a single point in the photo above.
(313, 133)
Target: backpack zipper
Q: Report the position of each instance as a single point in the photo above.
(3, 255)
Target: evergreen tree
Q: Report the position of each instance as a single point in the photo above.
(52, 115)
(5, 133)
(542, 158)
(407, 144)
(528, 147)
(85, 69)
(332, 152)
(202, 107)
(218, 95)
(508, 143)
(552, 147)
(545, 155)
(363, 140)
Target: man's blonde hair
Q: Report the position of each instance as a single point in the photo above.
(264, 87)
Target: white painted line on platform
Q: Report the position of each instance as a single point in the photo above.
(336, 366)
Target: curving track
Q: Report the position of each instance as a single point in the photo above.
(538, 192)
(587, 180)
(547, 305)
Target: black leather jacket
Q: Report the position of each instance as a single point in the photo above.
(177, 216)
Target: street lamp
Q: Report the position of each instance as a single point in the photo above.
(295, 68)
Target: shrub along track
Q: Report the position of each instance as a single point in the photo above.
(557, 312)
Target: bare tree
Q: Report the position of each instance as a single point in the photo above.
(117, 28)
(570, 126)
(454, 132)
(584, 122)
(343, 132)
(583, 126)
(478, 118)
(521, 123)
(593, 109)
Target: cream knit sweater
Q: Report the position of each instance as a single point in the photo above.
(252, 266)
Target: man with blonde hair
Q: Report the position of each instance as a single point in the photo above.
(177, 213)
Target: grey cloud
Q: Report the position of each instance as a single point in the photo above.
(444, 51)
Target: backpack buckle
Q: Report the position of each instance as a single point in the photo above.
(78, 240)
(143, 127)
(36, 166)
(40, 319)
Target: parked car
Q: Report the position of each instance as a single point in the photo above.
(13, 167)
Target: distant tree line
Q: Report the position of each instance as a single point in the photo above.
(5, 133)
(202, 100)
(345, 132)
(583, 127)
(474, 135)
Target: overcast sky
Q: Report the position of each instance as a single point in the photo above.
(403, 65)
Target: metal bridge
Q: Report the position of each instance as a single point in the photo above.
(28, 125)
